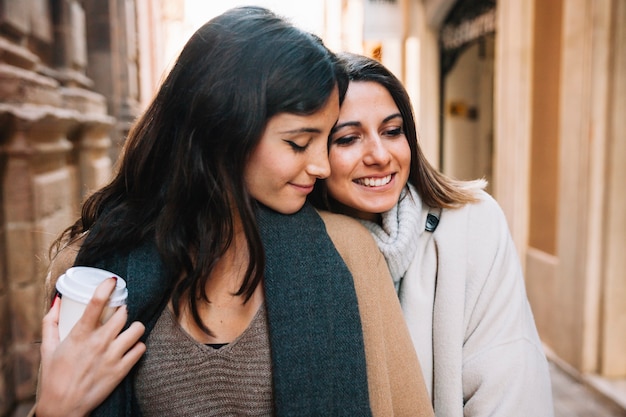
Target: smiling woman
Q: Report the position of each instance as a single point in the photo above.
(449, 251)
(369, 153)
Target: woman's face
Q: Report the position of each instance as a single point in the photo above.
(369, 154)
(291, 155)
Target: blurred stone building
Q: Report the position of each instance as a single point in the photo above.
(69, 89)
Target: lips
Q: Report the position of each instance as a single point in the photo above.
(374, 181)
(303, 187)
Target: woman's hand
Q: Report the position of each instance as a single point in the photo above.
(78, 373)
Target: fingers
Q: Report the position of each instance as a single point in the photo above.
(116, 322)
(125, 340)
(99, 301)
(131, 335)
(52, 316)
(132, 357)
(50, 328)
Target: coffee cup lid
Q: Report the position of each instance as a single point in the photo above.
(79, 283)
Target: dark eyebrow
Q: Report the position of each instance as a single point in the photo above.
(339, 126)
(393, 116)
(301, 130)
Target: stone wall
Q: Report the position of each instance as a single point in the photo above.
(54, 149)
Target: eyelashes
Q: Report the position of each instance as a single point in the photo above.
(344, 140)
(394, 132)
(297, 148)
(348, 139)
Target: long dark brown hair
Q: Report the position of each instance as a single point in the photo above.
(180, 179)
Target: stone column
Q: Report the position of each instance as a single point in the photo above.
(35, 194)
(53, 151)
(90, 139)
(113, 61)
(613, 339)
(586, 193)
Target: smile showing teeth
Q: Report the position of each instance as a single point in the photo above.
(374, 182)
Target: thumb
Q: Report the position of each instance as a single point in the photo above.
(50, 329)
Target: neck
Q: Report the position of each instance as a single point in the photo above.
(229, 272)
(226, 314)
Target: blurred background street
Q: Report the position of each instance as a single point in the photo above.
(574, 399)
(530, 95)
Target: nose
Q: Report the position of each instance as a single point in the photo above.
(375, 152)
(318, 165)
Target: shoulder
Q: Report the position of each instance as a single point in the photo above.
(477, 240)
(486, 205)
(347, 232)
(354, 243)
(487, 220)
(341, 221)
(481, 218)
(476, 237)
(341, 224)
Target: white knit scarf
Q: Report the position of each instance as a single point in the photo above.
(400, 230)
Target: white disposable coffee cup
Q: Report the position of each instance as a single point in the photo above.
(77, 286)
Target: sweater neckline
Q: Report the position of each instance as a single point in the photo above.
(399, 232)
(254, 323)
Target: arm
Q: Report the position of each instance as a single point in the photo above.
(505, 372)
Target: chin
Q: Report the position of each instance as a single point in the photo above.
(379, 208)
(287, 210)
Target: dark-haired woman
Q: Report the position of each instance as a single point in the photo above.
(250, 303)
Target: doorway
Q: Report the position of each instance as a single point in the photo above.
(467, 79)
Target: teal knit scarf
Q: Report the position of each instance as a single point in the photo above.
(318, 357)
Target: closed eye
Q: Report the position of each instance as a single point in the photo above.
(296, 147)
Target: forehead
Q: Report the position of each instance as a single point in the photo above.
(319, 121)
(366, 97)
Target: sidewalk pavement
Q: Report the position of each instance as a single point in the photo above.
(580, 396)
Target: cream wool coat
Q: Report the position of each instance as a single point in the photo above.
(465, 304)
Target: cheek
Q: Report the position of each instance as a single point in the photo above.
(342, 163)
(256, 174)
(403, 155)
